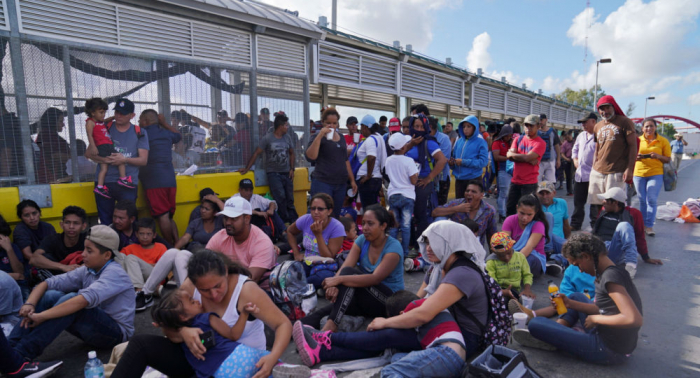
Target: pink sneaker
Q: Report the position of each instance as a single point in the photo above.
(309, 341)
(102, 191)
(126, 182)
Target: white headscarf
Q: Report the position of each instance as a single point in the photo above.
(445, 238)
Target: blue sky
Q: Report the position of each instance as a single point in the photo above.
(655, 45)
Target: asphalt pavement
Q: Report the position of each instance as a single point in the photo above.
(669, 341)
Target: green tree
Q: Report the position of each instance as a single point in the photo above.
(666, 129)
(583, 97)
(630, 109)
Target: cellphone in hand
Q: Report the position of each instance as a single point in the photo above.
(645, 156)
(208, 339)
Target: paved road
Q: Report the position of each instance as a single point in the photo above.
(669, 343)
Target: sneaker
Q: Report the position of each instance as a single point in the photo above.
(501, 219)
(413, 253)
(103, 191)
(321, 292)
(649, 231)
(143, 301)
(36, 369)
(525, 338)
(408, 264)
(291, 371)
(515, 306)
(553, 268)
(126, 182)
(309, 342)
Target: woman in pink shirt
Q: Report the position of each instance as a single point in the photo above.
(528, 227)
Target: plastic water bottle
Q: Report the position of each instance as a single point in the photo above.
(558, 302)
(94, 367)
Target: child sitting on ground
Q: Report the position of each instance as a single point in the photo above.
(138, 260)
(225, 357)
(509, 268)
(98, 135)
(350, 233)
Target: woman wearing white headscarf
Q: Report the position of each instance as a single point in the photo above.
(454, 283)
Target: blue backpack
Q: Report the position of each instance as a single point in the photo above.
(355, 162)
(510, 165)
(548, 138)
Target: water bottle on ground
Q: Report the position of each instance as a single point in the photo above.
(558, 302)
(94, 367)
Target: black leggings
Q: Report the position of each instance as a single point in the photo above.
(155, 351)
(358, 301)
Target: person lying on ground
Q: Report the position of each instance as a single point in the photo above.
(610, 325)
(178, 309)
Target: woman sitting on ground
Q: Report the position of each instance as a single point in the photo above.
(323, 237)
(200, 230)
(224, 288)
(31, 230)
(611, 324)
(455, 284)
(529, 229)
(363, 290)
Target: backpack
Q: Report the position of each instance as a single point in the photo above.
(355, 162)
(510, 165)
(137, 129)
(288, 286)
(548, 138)
(497, 329)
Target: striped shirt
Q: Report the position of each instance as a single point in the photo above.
(443, 328)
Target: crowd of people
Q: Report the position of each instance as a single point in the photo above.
(380, 180)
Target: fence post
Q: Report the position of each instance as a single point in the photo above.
(20, 91)
(68, 81)
(163, 88)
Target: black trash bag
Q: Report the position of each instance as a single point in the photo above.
(501, 362)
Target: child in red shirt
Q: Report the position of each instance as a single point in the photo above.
(350, 233)
(98, 136)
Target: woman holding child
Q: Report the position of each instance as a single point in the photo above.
(223, 288)
(371, 273)
(456, 295)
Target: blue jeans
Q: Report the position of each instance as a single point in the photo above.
(503, 187)
(402, 208)
(337, 192)
(369, 191)
(357, 345)
(10, 295)
(438, 361)
(91, 325)
(623, 246)
(105, 206)
(555, 244)
(426, 201)
(587, 346)
(648, 189)
(536, 267)
(282, 190)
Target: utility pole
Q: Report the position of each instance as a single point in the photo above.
(334, 16)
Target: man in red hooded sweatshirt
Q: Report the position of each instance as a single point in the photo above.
(615, 153)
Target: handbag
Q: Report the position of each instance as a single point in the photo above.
(498, 361)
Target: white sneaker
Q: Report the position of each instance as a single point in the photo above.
(408, 264)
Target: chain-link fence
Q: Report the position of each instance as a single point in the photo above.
(211, 106)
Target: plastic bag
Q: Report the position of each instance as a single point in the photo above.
(694, 206)
(670, 177)
(687, 216)
(668, 212)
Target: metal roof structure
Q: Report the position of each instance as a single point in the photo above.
(254, 13)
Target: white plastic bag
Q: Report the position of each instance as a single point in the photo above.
(309, 300)
(668, 212)
(693, 205)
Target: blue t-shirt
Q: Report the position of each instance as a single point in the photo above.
(560, 211)
(394, 280)
(433, 148)
(128, 144)
(159, 172)
(677, 147)
(214, 356)
(446, 148)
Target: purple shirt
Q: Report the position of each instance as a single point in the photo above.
(566, 149)
(485, 218)
(584, 151)
(333, 230)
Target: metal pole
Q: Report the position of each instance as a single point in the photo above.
(163, 88)
(20, 92)
(645, 107)
(595, 97)
(68, 82)
(334, 18)
(307, 117)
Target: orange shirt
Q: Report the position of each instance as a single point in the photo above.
(151, 255)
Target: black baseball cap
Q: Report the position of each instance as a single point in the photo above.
(246, 184)
(205, 192)
(265, 111)
(124, 106)
(543, 116)
(351, 121)
(590, 115)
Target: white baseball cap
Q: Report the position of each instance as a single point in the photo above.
(615, 193)
(235, 207)
(398, 140)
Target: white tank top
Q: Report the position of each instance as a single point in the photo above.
(254, 333)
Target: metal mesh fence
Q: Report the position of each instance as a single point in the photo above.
(210, 105)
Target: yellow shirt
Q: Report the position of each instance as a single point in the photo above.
(652, 167)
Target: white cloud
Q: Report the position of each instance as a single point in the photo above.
(645, 42)
(692, 78)
(479, 56)
(410, 22)
(665, 98)
(694, 99)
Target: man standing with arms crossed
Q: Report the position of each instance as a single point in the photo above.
(615, 152)
(583, 154)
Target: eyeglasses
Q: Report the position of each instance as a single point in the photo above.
(316, 208)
